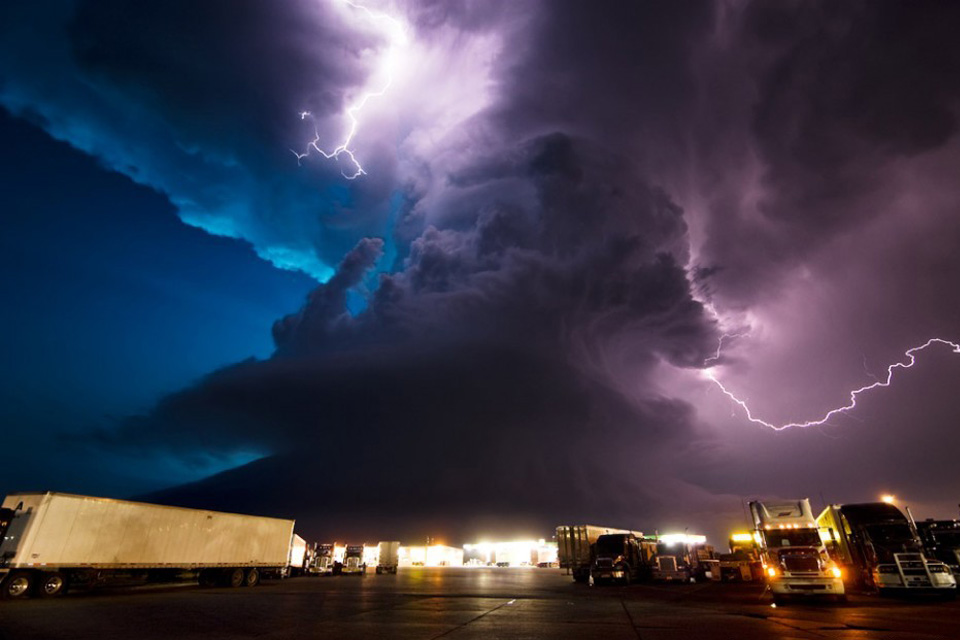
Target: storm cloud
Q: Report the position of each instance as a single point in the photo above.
(565, 206)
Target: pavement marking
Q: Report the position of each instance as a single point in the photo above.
(469, 622)
(630, 618)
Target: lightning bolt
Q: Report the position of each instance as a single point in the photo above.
(910, 355)
(398, 39)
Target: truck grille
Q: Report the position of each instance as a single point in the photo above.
(667, 564)
(801, 563)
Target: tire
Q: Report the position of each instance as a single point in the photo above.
(18, 585)
(252, 577)
(379, 570)
(233, 578)
(52, 585)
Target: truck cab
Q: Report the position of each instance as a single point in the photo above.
(672, 562)
(881, 549)
(325, 560)
(742, 564)
(941, 541)
(353, 562)
(618, 557)
(795, 560)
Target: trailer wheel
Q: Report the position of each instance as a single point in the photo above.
(52, 585)
(234, 577)
(252, 578)
(18, 585)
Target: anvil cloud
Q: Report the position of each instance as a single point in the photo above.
(566, 205)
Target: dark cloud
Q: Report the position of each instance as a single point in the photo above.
(834, 105)
(559, 197)
(494, 340)
(202, 103)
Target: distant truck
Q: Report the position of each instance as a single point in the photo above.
(353, 562)
(621, 557)
(672, 562)
(389, 557)
(941, 540)
(742, 564)
(879, 549)
(327, 560)
(50, 542)
(795, 560)
(575, 546)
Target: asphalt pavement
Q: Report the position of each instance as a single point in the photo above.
(457, 604)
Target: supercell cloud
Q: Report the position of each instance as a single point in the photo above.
(565, 206)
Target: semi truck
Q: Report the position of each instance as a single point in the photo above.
(742, 564)
(795, 560)
(327, 559)
(575, 545)
(941, 540)
(50, 542)
(879, 550)
(388, 557)
(353, 562)
(621, 557)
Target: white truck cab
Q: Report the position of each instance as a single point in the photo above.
(795, 560)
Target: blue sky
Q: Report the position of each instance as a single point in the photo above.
(110, 301)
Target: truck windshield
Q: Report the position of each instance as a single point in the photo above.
(890, 534)
(948, 538)
(792, 538)
(609, 546)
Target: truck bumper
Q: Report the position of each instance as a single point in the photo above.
(807, 586)
(608, 574)
(671, 576)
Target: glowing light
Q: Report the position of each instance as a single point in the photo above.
(397, 35)
(889, 499)
(742, 537)
(836, 571)
(436, 555)
(682, 538)
(910, 354)
(771, 572)
(515, 553)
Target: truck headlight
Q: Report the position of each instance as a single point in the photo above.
(772, 572)
(837, 573)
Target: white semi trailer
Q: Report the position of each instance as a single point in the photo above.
(298, 556)
(52, 541)
(389, 557)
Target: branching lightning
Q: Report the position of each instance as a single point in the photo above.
(910, 355)
(398, 39)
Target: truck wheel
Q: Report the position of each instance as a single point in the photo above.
(379, 570)
(252, 578)
(52, 585)
(18, 585)
(234, 577)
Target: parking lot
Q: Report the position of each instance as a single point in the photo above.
(467, 603)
